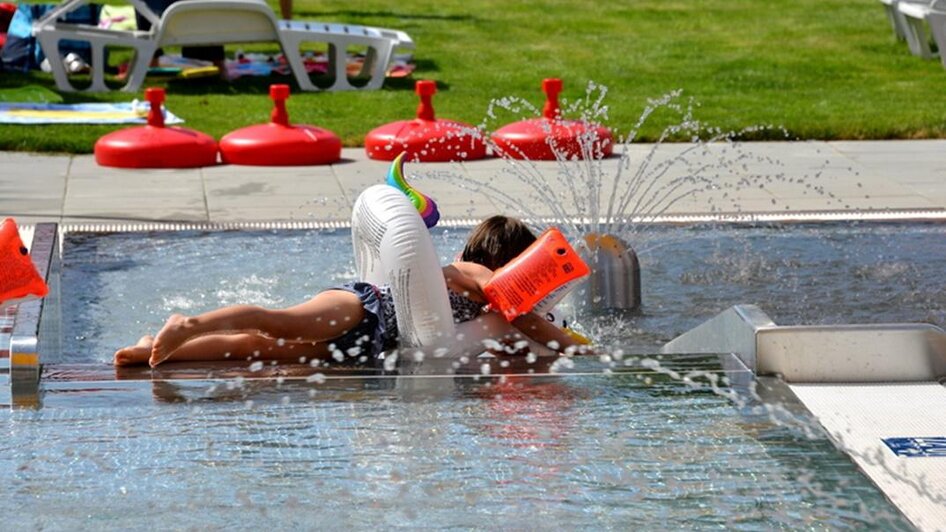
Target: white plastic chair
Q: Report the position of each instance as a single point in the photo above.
(200, 22)
(381, 44)
(896, 18)
(925, 23)
(50, 32)
(210, 22)
(206, 22)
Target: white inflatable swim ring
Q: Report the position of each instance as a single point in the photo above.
(393, 246)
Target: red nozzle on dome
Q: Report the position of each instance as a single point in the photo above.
(426, 89)
(155, 97)
(279, 95)
(154, 145)
(550, 137)
(280, 143)
(552, 87)
(425, 138)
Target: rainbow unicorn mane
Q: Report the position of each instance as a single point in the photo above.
(424, 204)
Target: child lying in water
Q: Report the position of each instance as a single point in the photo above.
(356, 319)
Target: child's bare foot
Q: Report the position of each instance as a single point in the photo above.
(134, 354)
(174, 333)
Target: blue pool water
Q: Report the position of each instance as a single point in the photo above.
(575, 451)
(601, 444)
(117, 287)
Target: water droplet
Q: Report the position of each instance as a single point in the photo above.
(317, 378)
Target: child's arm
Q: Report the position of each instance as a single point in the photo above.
(546, 333)
(469, 279)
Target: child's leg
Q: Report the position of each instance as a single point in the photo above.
(223, 347)
(327, 315)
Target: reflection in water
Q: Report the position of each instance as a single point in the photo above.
(422, 448)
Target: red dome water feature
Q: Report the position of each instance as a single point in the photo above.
(154, 145)
(541, 139)
(279, 143)
(426, 138)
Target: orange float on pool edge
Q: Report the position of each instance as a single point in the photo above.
(19, 279)
(547, 268)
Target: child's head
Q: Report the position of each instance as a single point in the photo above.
(496, 241)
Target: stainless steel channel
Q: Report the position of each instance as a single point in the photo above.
(36, 322)
(887, 352)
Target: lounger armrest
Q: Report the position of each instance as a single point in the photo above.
(917, 11)
(402, 40)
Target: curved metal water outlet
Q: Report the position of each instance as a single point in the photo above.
(615, 280)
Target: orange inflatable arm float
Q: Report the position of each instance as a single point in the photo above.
(19, 280)
(546, 269)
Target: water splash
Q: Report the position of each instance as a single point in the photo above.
(688, 161)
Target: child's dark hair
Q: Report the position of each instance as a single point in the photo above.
(496, 241)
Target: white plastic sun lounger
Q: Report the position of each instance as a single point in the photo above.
(49, 32)
(896, 18)
(211, 22)
(925, 22)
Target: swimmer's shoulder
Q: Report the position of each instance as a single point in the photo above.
(468, 269)
(466, 276)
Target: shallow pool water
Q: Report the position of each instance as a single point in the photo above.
(600, 444)
(573, 451)
(117, 287)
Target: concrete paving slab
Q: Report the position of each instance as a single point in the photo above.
(696, 206)
(38, 176)
(901, 172)
(899, 161)
(861, 204)
(244, 186)
(148, 207)
(930, 148)
(239, 214)
(281, 207)
(152, 202)
(17, 206)
(299, 173)
(143, 215)
(828, 176)
(841, 187)
(935, 193)
(84, 166)
(353, 176)
(32, 185)
(26, 219)
(16, 165)
(119, 194)
(12, 196)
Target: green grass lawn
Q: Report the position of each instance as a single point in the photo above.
(822, 69)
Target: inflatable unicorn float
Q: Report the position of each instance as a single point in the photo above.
(393, 246)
